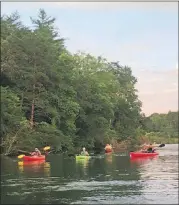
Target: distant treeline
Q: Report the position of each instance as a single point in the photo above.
(163, 126)
(52, 97)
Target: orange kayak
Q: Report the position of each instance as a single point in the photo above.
(108, 150)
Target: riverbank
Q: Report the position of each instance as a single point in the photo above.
(151, 138)
(118, 146)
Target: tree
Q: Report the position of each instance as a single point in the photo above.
(63, 99)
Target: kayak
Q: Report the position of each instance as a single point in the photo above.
(33, 158)
(31, 163)
(108, 150)
(143, 154)
(82, 157)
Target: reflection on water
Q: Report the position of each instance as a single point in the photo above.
(47, 168)
(83, 162)
(83, 165)
(160, 178)
(142, 160)
(109, 157)
(34, 167)
(105, 179)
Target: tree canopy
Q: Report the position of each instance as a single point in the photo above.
(51, 96)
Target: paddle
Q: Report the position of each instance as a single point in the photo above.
(161, 145)
(46, 148)
(22, 155)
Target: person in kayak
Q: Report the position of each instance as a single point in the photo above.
(143, 147)
(84, 152)
(148, 148)
(108, 148)
(36, 153)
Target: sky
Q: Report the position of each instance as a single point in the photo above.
(142, 35)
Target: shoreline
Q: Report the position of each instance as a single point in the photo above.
(119, 147)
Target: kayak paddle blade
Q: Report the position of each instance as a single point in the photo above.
(46, 148)
(161, 145)
(21, 156)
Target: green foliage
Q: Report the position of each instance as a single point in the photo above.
(49, 96)
(11, 115)
(161, 128)
(165, 125)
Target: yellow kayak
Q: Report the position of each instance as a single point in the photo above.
(82, 157)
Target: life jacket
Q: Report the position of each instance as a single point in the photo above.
(108, 147)
(84, 153)
(36, 153)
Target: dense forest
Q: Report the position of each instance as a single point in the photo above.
(52, 97)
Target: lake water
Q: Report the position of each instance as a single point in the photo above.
(103, 179)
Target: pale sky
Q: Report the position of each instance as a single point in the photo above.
(142, 35)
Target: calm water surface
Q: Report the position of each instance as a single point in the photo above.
(103, 179)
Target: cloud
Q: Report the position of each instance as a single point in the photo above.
(171, 90)
(153, 79)
(147, 93)
(118, 5)
(175, 84)
(26, 6)
(85, 5)
(158, 95)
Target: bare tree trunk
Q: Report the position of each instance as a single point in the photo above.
(11, 140)
(33, 100)
(32, 114)
(32, 109)
(22, 98)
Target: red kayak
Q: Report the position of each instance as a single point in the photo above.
(31, 163)
(143, 154)
(33, 158)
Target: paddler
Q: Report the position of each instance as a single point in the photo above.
(144, 147)
(84, 152)
(36, 152)
(149, 148)
(108, 148)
